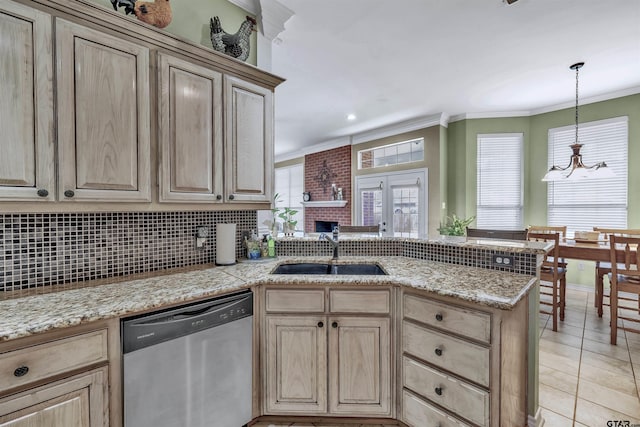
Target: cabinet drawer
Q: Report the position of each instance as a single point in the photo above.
(359, 301)
(465, 400)
(295, 301)
(462, 321)
(463, 358)
(418, 413)
(52, 358)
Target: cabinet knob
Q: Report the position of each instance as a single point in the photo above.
(21, 371)
(231, 197)
(334, 325)
(69, 193)
(42, 192)
(439, 317)
(438, 351)
(320, 324)
(219, 197)
(438, 391)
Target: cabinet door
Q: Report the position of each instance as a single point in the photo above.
(26, 106)
(80, 401)
(359, 366)
(103, 116)
(190, 112)
(296, 365)
(249, 141)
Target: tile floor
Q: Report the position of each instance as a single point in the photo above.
(584, 381)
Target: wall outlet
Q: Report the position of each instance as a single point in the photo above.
(499, 260)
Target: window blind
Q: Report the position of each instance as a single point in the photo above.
(289, 184)
(499, 181)
(581, 205)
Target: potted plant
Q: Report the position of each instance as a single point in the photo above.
(289, 224)
(455, 226)
(274, 226)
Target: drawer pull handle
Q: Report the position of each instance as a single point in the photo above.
(439, 317)
(21, 371)
(231, 197)
(69, 193)
(320, 324)
(219, 197)
(438, 351)
(42, 192)
(438, 391)
(334, 325)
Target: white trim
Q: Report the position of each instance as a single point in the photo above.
(491, 115)
(537, 421)
(274, 16)
(325, 204)
(250, 6)
(316, 148)
(401, 127)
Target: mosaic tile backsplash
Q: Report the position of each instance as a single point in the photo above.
(46, 249)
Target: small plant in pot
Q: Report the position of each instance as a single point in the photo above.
(455, 226)
(288, 224)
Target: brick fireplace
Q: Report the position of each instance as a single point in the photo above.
(320, 171)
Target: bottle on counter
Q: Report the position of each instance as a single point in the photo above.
(271, 247)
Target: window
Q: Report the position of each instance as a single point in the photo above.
(289, 185)
(581, 205)
(499, 181)
(392, 154)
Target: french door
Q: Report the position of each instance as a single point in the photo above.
(397, 201)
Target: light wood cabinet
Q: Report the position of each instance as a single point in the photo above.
(79, 401)
(248, 141)
(27, 169)
(344, 356)
(190, 131)
(462, 365)
(103, 116)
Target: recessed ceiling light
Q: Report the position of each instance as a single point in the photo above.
(351, 117)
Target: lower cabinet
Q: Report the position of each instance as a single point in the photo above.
(79, 401)
(324, 364)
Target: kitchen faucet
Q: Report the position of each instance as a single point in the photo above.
(333, 240)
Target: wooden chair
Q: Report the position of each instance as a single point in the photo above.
(562, 229)
(361, 229)
(554, 272)
(624, 277)
(497, 234)
(603, 268)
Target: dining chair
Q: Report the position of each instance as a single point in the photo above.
(624, 277)
(553, 272)
(603, 268)
(497, 234)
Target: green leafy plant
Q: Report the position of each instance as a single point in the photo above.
(287, 217)
(455, 226)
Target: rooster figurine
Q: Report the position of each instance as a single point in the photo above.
(236, 45)
(156, 13)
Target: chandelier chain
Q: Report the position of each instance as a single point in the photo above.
(577, 70)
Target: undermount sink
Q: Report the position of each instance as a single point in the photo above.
(314, 268)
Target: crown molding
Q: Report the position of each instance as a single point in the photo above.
(274, 16)
(401, 127)
(490, 115)
(250, 6)
(316, 148)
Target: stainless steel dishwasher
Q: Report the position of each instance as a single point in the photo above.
(190, 366)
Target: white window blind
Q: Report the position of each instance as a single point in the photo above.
(289, 184)
(583, 204)
(499, 180)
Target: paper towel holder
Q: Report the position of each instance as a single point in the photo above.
(202, 233)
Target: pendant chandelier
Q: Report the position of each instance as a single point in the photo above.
(577, 170)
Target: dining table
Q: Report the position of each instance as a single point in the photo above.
(592, 250)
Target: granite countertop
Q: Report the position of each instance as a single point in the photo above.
(87, 302)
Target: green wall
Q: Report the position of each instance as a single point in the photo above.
(191, 20)
(461, 162)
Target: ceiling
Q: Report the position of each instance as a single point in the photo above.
(391, 61)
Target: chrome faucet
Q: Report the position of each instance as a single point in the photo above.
(333, 240)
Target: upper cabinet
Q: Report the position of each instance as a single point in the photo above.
(248, 141)
(27, 169)
(190, 131)
(103, 116)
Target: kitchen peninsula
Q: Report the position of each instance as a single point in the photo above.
(449, 342)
